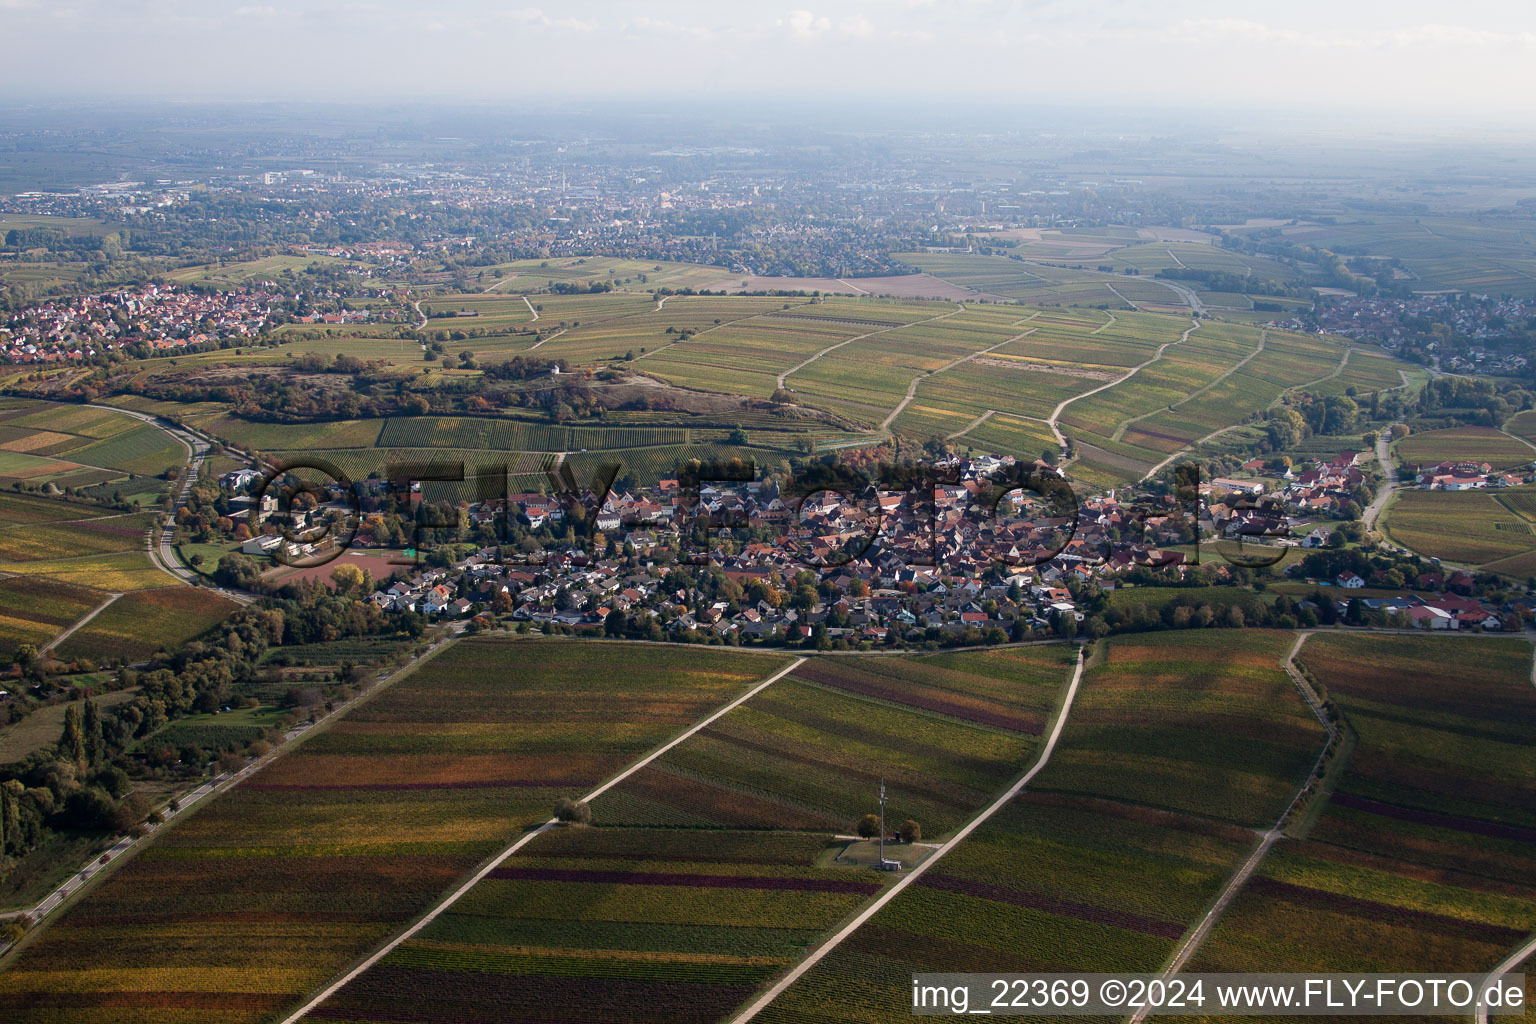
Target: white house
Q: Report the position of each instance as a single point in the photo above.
(261, 545)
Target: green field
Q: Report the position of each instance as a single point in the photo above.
(1485, 254)
(1465, 444)
(43, 727)
(984, 375)
(1464, 527)
(247, 271)
(80, 446)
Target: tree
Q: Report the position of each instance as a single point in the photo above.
(869, 826)
(95, 746)
(72, 742)
(911, 831)
(348, 578)
(237, 570)
(1066, 625)
(573, 811)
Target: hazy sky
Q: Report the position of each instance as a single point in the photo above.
(1476, 57)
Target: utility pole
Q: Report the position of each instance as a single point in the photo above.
(882, 824)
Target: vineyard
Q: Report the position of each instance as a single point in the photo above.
(264, 892)
(808, 753)
(1117, 849)
(1423, 857)
(1203, 723)
(615, 925)
(1465, 444)
(98, 536)
(122, 571)
(1470, 527)
(79, 446)
(136, 625)
(711, 870)
(35, 611)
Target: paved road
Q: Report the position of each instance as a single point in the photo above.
(162, 550)
(891, 893)
(1388, 480)
(524, 840)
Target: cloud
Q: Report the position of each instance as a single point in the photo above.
(673, 28)
(536, 16)
(805, 25)
(1224, 31)
(856, 26)
(16, 5)
(255, 12)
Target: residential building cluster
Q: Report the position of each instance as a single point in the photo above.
(1468, 476)
(962, 562)
(154, 316)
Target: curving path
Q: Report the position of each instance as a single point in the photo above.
(1217, 433)
(885, 424)
(1388, 480)
(893, 891)
(162, 549)
(1053, 421)
(849, 341)
(1125, 425)
(1245, 870)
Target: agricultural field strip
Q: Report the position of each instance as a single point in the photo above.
(978, 421)
(75, 885)
(152, 421)
(716, 327)
(912, 387)
(87, 617)
(1055, 416)
(552, 336)
(816, 955)
(1217, 433)
(1245, 871)
(523, 840)
(959, 308)
(1125, 424)
(1187, 295)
